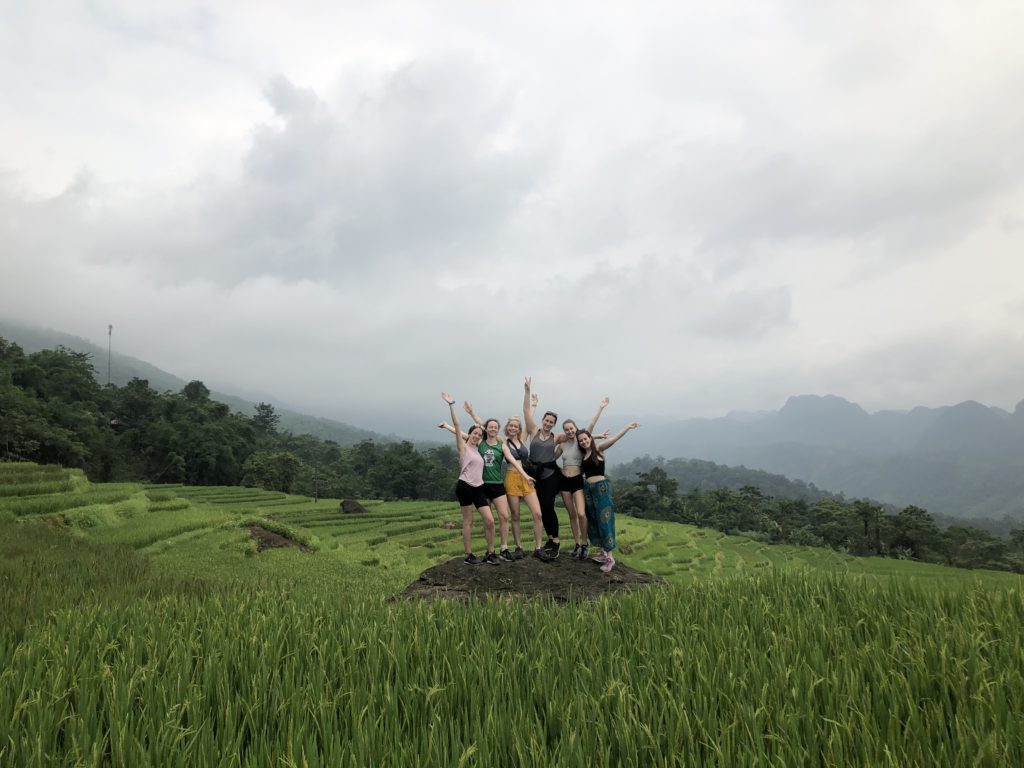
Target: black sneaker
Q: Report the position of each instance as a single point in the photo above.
(542, 554)
(518, 554)
(575, 552)
(552, 548)
(506, 555)
(492, 559)
(584, 551)
(472, 559)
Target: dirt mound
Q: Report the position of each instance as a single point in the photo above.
(348, 506)
(563, 579)
(269, 540)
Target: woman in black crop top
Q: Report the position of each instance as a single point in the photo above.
(598, 494)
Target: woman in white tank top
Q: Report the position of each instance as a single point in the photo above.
(571, 480)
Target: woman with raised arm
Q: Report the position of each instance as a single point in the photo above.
(518, 490)
(598, 494)
(571, 481)
(470, 488)
(542, 454)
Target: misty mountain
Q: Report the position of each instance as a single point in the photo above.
(965, 460)
(694, 474)
(124, 368)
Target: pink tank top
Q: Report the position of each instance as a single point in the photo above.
(472, 466)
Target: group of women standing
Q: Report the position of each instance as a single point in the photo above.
(533, 476)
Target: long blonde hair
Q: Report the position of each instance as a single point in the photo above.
(517, 421)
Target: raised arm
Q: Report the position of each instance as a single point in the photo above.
(528, 408)
(469, 409)
(609, 443)
(450, 428)
(460, 443)
(593, 422)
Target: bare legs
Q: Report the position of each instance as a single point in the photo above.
(581, 512)
(573, 519)
(533, 503)
(467, 528)
(501, 504)
(513, 508)
(577, 515)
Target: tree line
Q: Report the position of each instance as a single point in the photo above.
(53, 411)
(858, 527)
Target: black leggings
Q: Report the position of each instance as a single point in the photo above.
(547, 491)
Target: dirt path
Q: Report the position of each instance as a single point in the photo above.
(269, 540)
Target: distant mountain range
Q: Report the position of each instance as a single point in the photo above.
(124, 368)
(965, 460)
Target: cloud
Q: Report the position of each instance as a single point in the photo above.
(421, 170)
(691, 210)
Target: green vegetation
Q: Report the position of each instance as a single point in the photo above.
(860, 526)
(708, 476)
(52, 410)
(124, 368)
(136, 633)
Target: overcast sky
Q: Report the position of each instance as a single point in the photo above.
(351, 206)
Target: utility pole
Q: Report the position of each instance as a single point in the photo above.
(110, 332)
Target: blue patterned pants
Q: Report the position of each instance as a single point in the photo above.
(600, 514)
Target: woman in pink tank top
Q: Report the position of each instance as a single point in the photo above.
(470, 488)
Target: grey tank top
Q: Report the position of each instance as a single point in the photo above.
(543, 452)
(519, 453)
(572, 456)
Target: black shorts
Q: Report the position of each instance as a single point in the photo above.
(470, 495)
(570, 484)
(494, 490)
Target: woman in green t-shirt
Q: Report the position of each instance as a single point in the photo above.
(494, 450)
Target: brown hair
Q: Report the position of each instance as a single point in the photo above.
(594, 450)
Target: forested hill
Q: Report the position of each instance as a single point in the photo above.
(124, 368)
(963, 460)
(706, 475)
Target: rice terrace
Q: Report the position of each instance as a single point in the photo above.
(143, 626)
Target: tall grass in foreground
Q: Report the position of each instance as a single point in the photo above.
(43, 570)
(778, 670)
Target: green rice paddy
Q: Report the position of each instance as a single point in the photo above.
(138, 626)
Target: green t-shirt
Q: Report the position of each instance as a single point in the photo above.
(493, 456)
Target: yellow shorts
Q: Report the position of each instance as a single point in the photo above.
(515, 485)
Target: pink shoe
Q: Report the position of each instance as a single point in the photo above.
(609, 563)
(601, 558)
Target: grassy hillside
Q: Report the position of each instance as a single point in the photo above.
(140, 626)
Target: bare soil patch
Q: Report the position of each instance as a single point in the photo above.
(563, 580)
(269, 540)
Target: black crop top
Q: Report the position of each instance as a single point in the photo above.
(593, 466)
